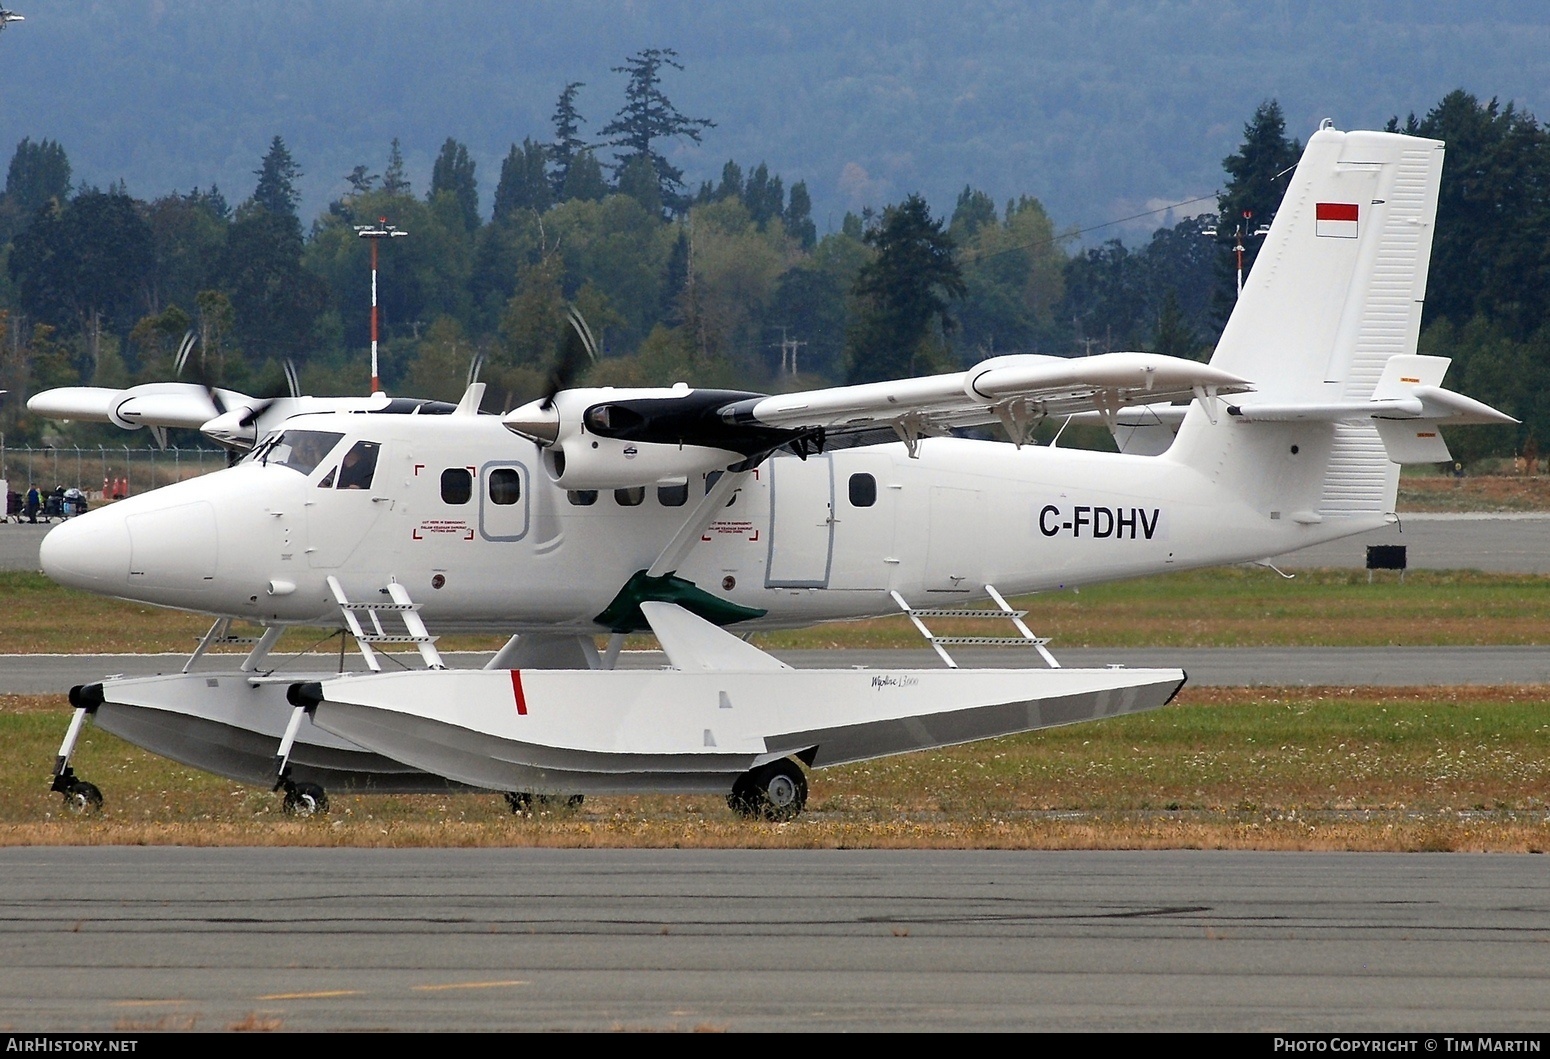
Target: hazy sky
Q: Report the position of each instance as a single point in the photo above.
(1101, 109)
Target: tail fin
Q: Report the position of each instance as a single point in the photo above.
(1335, 293)
(1338, 285)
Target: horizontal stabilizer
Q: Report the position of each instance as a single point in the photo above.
(1408, 407)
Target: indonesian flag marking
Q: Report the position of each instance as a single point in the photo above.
(1335, 220)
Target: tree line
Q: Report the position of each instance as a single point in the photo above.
(726, 284)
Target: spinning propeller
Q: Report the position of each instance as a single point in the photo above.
(233, 422)
(540, 420)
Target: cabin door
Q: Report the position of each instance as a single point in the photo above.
(801, 522)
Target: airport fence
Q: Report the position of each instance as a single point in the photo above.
(103, 472)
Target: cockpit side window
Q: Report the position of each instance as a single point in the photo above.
(359, 465)
(300, 450)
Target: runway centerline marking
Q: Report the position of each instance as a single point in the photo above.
(469, 985)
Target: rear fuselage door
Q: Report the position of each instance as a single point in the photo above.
(801, 522)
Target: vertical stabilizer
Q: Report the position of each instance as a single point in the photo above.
(1336, 291)
(1339, 283)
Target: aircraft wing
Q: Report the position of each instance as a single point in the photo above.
(1014, 390)
(231, 418)
(156, 404)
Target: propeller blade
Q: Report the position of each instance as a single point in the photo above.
(184, 349)
(475, 366)
(578, 354)
(292, 379)
(258, 409)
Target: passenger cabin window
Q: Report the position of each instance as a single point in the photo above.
(505, 486)
(630, 497)
(673, 495)
(457, 485)
(359, 465)
(863, 490)
(300, 450)
(581, 497)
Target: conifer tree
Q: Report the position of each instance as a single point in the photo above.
(277, 175)
(567, 145)
(393, 180)
(524, 184)
(649, 116)
(453, 173)
(903, 291)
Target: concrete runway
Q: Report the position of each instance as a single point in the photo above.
(535, 939)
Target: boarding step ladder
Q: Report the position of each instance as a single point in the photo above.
(1025, 637)
(402, 607)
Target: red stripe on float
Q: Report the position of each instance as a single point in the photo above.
(516, 690)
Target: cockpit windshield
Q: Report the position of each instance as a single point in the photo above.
(300, 450)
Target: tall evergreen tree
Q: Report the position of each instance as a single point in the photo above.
(764, 196)
(731, 186)
(277, 175)
(394, 182)
(799, 216)
(1491, 251)
(568, 144)
(524, 184)
(905, 290)
(639, 181)
(1257, 177)
(39, 173)
(649, 116)
(585, 180)
(87, 263)
(453, 173)
(974, 210)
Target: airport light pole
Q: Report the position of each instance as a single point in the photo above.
(375, 234)
(1238, 235)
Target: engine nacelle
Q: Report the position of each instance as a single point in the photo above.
(592, 462)
(616, 439)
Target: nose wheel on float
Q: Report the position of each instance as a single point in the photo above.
(303, 799)
(81, 798)
(777, 791)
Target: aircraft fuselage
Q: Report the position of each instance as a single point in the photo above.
(461, 512)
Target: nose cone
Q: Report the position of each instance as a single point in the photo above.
(537, 421)
(90, 552)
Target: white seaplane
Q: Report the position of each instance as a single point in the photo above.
(691, 512)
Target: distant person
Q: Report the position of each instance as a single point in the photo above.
(359, 465)
(34, 503)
